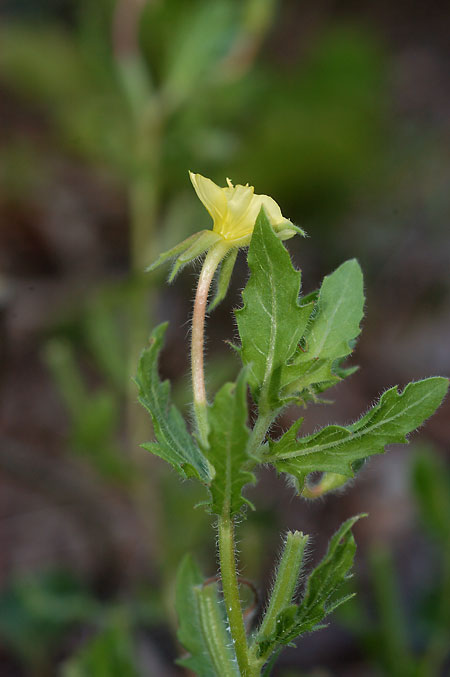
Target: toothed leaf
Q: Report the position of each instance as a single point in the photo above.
(227, 446)
(271, 321)
(331, 332)
(174, 444)
(335, 448)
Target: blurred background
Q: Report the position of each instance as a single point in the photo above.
(341, 112)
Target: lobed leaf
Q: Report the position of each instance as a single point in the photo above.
(335, 448)
(227, 446)
(331, 332)
(271, 321)
(174, 443)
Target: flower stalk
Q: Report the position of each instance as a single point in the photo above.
(211, 262)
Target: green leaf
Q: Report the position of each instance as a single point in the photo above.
(271, 322)
(223, 281)
(331, 333)
(227, 446)
(286, 581)
(319, 598)
(174, 444)
(214, 626)
(335, 448)
(190, 632)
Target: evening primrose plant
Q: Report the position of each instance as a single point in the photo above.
(292, 349)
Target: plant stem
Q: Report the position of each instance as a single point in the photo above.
(212, 260)
(259, 432)
(231, 591)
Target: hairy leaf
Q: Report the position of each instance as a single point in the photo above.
(335, 448)
(190, 633)
(331, 332)
(319, 598)
(174, 444)
(271, 322)
(285, 583)
(227, 446)
(216, 635)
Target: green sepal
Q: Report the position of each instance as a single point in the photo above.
(319, 599)
(185, 251)
(228, 440)
(205, 240)
(271, 321)
(189, 631)
(175, 251)
(331, 333)
(336, 448)
(174, 444)
(223, 280)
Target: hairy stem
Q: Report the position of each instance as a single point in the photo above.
(230, 588)
(212, 260)
(259, 432)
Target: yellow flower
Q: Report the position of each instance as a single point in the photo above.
(234, 210)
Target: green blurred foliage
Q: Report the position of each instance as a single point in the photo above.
(46, 66)
(410, 642)
(300, 131)
(431, 482)
(110, 653)
(36, 612)
(41, 614)
(320, 128)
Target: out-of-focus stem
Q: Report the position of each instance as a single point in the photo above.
(146, 121)
(212, 260)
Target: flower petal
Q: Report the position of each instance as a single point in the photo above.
(272, 209)
(211, 195)
(238, 201)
